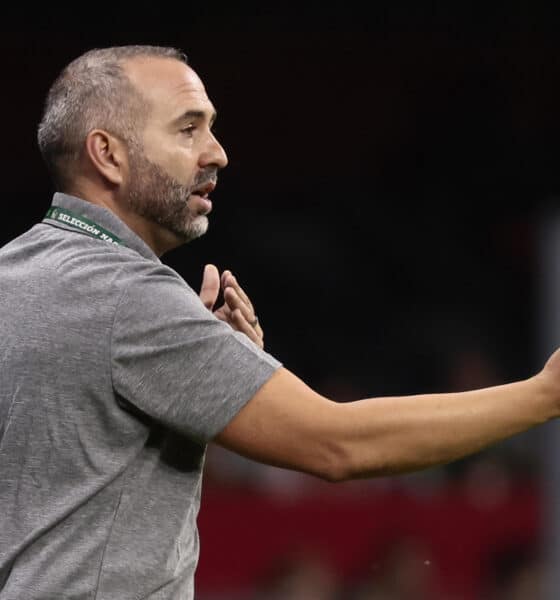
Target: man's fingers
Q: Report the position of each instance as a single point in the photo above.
(234, 301)
(243, 317)
(210, 286)
(223, 313)
(259, 331)
(242, 314)
(229, 280)
(242, 325)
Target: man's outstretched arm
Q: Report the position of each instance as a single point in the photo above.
(287, 424)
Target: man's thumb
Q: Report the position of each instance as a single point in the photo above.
(210, 287)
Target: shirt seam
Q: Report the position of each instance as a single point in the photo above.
(56, 267)
(111, 336)
(102, 560)
(112, 390)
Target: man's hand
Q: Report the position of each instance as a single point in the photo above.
(237, 309)
(550, 377)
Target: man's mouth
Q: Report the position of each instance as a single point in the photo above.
(204, 189)
(199, 199)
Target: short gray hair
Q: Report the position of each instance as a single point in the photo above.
(91, 92)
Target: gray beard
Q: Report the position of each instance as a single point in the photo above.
(156, 196)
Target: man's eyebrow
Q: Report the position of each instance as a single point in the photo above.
(196, 114)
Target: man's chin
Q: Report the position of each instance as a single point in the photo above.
(194, 229)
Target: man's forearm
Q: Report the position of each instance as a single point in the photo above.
(287, 424)
(381, 436)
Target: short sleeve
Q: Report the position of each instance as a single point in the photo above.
(176, 362)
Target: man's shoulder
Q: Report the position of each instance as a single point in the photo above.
(82, 266)
(68, 250)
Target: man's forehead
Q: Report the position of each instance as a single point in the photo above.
(167, 83)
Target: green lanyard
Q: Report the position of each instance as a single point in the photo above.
(80, 223)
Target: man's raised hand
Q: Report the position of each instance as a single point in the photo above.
(237, 310)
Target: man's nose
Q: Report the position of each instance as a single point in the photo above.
(214, 154)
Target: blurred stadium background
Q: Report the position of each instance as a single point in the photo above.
(392, 207)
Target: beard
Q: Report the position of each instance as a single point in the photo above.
(158, 197)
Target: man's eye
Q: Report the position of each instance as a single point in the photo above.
(189, 129)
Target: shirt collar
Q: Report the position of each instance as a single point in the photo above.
(107, 219)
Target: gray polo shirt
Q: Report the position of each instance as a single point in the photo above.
(113, 378)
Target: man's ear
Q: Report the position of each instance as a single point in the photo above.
(108, 155)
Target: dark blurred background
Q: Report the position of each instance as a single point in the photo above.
(390, 170)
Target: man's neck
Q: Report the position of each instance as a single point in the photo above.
(156, 237)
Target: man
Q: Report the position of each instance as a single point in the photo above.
(116, 374)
